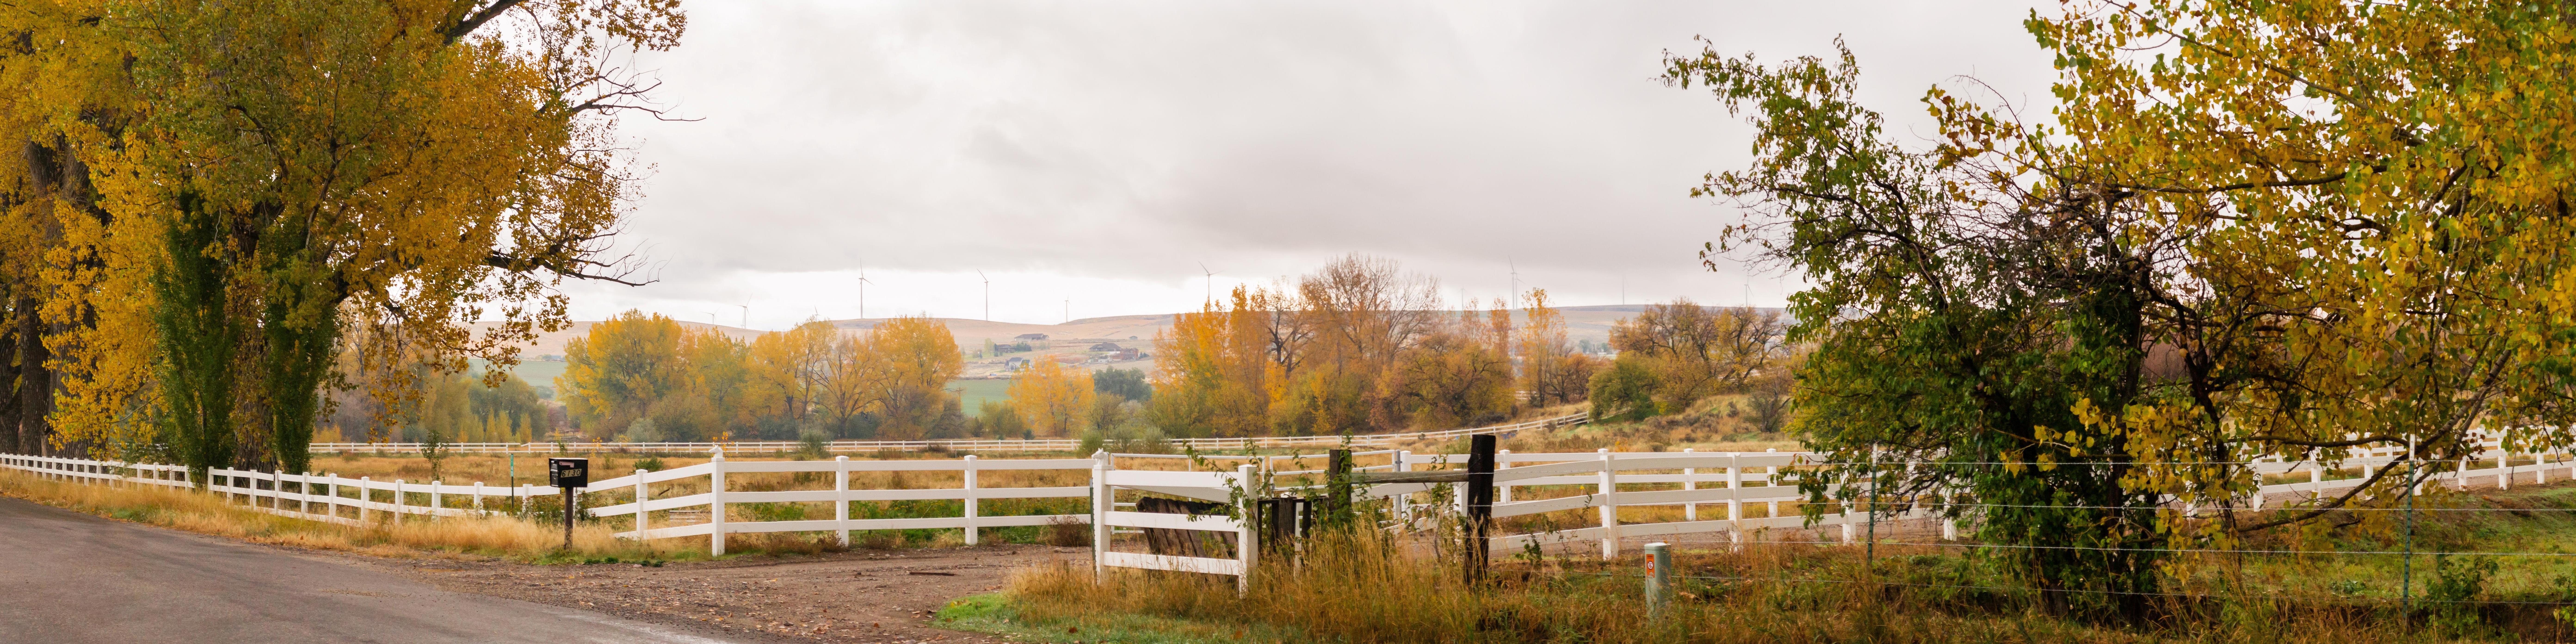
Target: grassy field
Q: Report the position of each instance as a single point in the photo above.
(1372, 588)
(972, 394)
(538, 373)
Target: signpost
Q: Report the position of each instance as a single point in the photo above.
(566, 474)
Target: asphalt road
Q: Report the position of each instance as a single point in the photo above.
(70, 578)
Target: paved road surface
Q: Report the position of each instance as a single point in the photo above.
(70, 578)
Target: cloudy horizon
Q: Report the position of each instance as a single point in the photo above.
(1089, 158)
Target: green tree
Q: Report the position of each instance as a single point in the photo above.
(2325, 218)
(1126, 384)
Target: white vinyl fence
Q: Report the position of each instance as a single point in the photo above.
(319, 497)
(1733, 479)
(1714, 484)
(717, 497)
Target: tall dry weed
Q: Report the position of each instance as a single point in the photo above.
(1369, 588)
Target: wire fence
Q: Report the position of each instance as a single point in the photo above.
(2084, 591)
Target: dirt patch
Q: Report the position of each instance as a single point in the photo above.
(861, 596)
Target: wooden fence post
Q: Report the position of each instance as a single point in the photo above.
(1479, 502)
(1337, 487)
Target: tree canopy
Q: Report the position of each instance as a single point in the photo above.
(209, 196)
(2286, 229)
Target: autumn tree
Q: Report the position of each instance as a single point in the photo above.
(2331, 216)
(918, 357)
(1218, 372)
(623, 370)
(1054, 400)
(414, 166)
(1695, 351)
(1457, 376)
(1550, 369)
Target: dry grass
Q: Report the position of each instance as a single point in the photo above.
(499, 537)
(1365, 589)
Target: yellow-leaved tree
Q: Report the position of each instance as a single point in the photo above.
(230, 211)
(1055, 400)
(2251, 230)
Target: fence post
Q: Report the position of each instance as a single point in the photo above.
(1772, 477)
(1609, 503)
(1478, 501)
(398, 501)
(642, 493)
(478, 500)
(1099, 513)
(304, 493)
(1404, 502)
(840, 498)
(715, 503)
(1690, 482)
(1659, 583)
(1735, 499)
(435, 503)
(972, 533)
(1502, 461)
(1247, 531)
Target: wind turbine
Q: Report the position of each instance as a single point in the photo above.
(988, 295)
(1211, 281)
(1516, 281)
(746, 314)
(863, 293)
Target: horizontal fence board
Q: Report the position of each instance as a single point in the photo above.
(1138, 478)
(1172, 563)
(1216, 494)
(1172, 521)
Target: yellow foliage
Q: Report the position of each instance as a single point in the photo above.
(1053, 399)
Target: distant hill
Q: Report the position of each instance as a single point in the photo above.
(1581, 322)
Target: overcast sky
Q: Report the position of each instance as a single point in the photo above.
(1098, 152)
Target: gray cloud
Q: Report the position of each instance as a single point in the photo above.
(1108, 147)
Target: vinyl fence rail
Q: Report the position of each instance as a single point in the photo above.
(717, 497)
(957, 445)
(1733, 479)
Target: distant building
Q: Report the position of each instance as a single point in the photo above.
(1031, 336)
(1015, 364)
(1107, 346)
(1124, 355)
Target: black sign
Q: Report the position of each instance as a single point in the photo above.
(568, 472)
